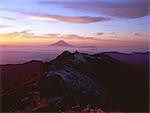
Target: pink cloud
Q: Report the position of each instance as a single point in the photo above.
(100, 33)
(112, 33)
(70, 19)
(139, 34)
(5, 26)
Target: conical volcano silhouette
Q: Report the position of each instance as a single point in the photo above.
(60, 43)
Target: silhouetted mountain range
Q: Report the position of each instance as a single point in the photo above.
(74, 80)
(138, 59)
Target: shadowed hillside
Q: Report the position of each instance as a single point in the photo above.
(73, 81)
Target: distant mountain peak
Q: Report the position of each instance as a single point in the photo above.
(60, 43)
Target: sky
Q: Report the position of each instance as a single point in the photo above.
(81, 22)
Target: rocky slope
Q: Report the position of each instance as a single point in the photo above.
(74, 80)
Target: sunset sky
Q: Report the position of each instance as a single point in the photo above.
(86, 22)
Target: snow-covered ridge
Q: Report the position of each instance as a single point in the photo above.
(75, 57)
(72, 76)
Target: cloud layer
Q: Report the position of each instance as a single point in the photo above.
(100, 33)
(96, 36)
(139, 34)
(70, 19)
(56, 18)
(27, 37)
(5, 26)
(129, 9)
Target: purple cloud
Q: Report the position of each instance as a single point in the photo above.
(130, 9)
(56, 18)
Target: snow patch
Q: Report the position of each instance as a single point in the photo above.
(79, 57)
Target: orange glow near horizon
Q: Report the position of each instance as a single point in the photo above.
(24, 41)
(28, 38)
(79, 42)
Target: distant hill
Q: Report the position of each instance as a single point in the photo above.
(61, 43)
(138, 59)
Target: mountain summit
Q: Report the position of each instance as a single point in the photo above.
(60, 43)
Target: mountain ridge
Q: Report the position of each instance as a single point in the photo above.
(77, 79)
